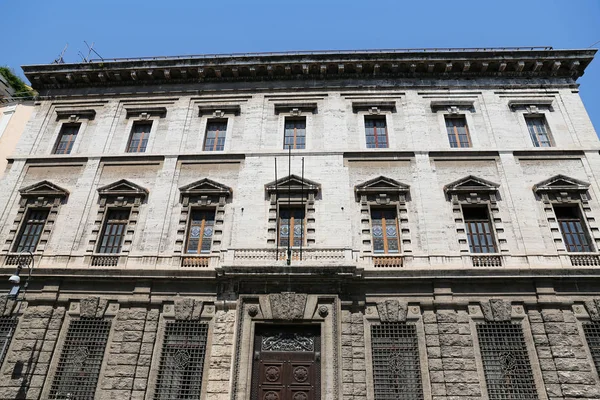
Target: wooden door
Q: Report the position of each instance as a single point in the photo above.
(286, 363)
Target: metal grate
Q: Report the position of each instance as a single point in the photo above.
(592, 335)
(505, 361)
(396, 366)
(182, 361)
(7, 329)
(81, 359)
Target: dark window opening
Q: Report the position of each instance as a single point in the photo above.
(458, 132)
(384, 229)
(114, 231)
(66, 138)
(376, 133)
(478, 228)
(573, 229)
(138, 141)
(200, 231)
(292, 226)
(215, 135)
(31, 230)
(295, 133)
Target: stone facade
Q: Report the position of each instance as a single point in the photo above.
(339, 287)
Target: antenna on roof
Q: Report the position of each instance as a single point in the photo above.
(59, 59)
(87, 59)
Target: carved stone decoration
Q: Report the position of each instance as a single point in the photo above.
(288, 342)
(496, 310)
(323, 311)
(92, 307)
(288, 305)
(392, 311)
(188, 309)
(593, 309)
(253, 311)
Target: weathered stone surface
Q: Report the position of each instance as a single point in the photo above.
(287, 306)
(89, 307)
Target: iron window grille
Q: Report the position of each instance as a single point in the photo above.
(478, 228)
(376, 133)
(31, 230)
(182, 361)
(114, 231)
(215, 135)
(295, 133)
(384, 229)
(573, 228)
(458, 132)
(592, 335)
(292, 226)
(7, 330)
(201, 230)
(396, 363)
(81, 359)
(505, 360)
(140, 133)
(66, 138)
(538, 130)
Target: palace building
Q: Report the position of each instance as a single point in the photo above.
(344, 225)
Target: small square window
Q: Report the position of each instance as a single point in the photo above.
(538, 130)
(66, 138)
(31, 230)
(295, 133)
(215, 135)
(292, 226)
(200, 233)
(478, 228)
(138, 141)
(376, 133)
(572, 228)
(115, 227)
(384, 229)
(458, 132)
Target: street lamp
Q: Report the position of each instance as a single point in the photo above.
(25, 260)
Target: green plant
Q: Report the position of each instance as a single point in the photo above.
(21, 89)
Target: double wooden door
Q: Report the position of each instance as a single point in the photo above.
(286, 363)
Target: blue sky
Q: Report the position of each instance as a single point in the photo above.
(36, 31)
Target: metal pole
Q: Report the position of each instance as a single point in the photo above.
(290, 234)
(276, 216)
(303, 210)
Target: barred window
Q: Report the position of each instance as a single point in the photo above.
(140, 132)
(201, 229)
(81, 359)
(384, 227)
(396, 364)
(7, 330)
(572, 227)
(182, 361)
(292, 226)
(66, 138)
(506, 363)
(538, 130)
(113, 233)
(295, 133)
(376, 133)
(478, 228)
(458, 132)
(31, 230)
(215, 135)
(592, 335)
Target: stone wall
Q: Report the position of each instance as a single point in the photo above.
(219, 380)
(354, 385)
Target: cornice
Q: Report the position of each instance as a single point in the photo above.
(373, 64)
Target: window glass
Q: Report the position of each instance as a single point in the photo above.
(376, 133)
(215, 135)
(479, 231)
(140, 132)
(66, 138)
(458, 133)
(31, 230)
(295, 133)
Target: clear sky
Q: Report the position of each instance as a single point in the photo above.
(35, 31)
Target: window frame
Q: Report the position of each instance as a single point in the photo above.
(456, 117)
(292, 206)
(23, 225)
(384, 231)
(380, 117)
(58, 141)
(103, 230)
(582, 220)
(150, 134)
(535, 141)
(210, 121)
(470, 235)
(199, 251)
(295, 118)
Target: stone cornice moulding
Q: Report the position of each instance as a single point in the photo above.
(382, 188)
(560, 188)
(145, 112)
(43, 189)
(218, 111)
(452, 106)
(472, 189)
(295, 108)
(123, 187)
(374, 107)
(205, 188)
(74, 115)
(293, 184)
(531, 106)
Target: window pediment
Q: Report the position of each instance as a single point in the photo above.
(75, 115)
(562, 188)
(381, 188)
(43, 189)
(123, 188)
(206, 190)
(294, 184)
(472, 189)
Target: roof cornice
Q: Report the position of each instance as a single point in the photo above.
(418, 63)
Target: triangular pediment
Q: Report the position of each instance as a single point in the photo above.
(381, 184)
(44, 189)
(293, 183)
(122, 188)
(561, 183)
(471, 184)
(205, 187)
